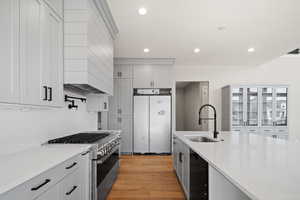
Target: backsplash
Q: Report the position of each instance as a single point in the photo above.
(22, 127)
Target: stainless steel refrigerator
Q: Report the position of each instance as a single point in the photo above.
(152, 121)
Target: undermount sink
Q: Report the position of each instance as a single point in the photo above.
(201, 139)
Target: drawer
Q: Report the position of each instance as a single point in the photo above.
(57, 6)
(71, 187)
(36, 186)
(43, 182)
(70, 165)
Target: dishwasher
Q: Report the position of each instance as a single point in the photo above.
(198, 177)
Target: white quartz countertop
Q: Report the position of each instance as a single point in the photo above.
(17, 168)
(263, 168)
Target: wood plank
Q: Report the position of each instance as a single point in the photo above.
(146, 178)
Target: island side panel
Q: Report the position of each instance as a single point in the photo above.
(222, 189)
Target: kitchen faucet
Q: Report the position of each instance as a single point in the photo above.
(214, 118)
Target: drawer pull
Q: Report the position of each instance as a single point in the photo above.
(43, 184)
(71, 166)
(83, 154)
(71, 191)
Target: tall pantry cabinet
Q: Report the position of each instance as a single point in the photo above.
(120, 106)
(33, 67)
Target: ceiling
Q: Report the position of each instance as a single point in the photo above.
(174, 28)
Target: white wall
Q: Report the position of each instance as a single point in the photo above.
(20, 128)
(284, 70)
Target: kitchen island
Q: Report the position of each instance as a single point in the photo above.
(246, 166)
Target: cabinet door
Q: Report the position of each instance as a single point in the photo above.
(267, 106)
(238, 107)
(123, 71)
(126, 135)
(51, 194)
(252, 107)
(174, 154)
(280, 107)
(114, 100)
(180, 161)
(125, 96)
(162, 76)
(9, 51)
(32, 19)
(53, 71)
(85, 175)
(113, 122)
(186, 169)
(142, 77)
(71, 187)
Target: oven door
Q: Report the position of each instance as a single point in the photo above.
(104, 168)
(106, 174)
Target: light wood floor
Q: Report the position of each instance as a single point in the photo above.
(146, 178)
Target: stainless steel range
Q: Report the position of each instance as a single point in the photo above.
(104, 159)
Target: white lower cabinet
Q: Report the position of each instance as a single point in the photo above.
(67, 181)
(71, 188)
(51, 194)
(181, 162)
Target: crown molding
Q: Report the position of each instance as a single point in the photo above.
(144, 61)
(107, 17)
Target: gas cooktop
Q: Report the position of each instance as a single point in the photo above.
(80, 138)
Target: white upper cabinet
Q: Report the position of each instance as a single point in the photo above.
(88, 47)
(162, 76)
(41, 54)
(142, 76)
(32, 15)
(9, 51)
(123, 71)
(152, 76)
(32, 52)
(54, 58)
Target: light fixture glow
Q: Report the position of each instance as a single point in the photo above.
(146, 50)
(142, 11)
(196, 50)
(250, 50)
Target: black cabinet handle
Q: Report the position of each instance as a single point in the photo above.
(38, 187)
(71, 166)
(180, 157)
(45, 93)
(83, 154)
(71, 191)
(50, 93)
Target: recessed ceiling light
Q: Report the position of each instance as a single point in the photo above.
(250, 50)
(221, 28)
(146, 50)
(197, 50)
(142, 11)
